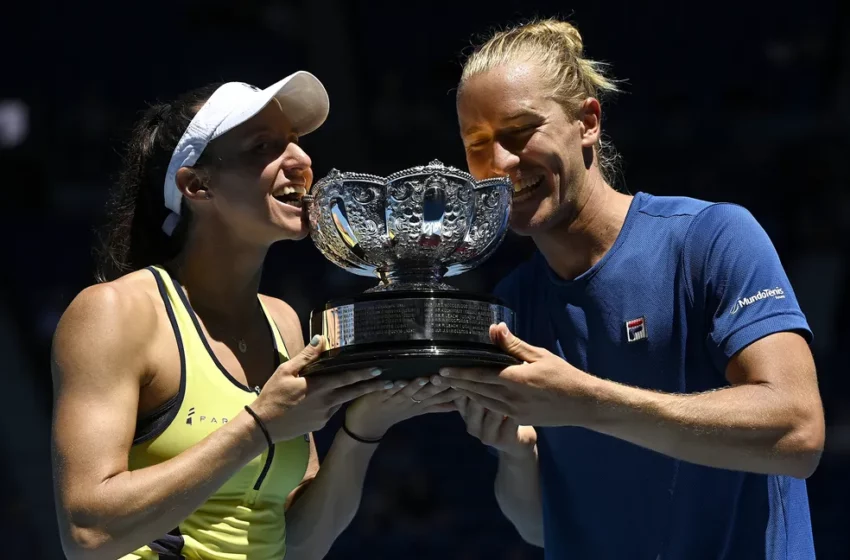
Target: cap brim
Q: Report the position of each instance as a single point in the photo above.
(302, 98)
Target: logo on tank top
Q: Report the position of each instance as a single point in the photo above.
(636, 329)
(201, 419)
(775, 293)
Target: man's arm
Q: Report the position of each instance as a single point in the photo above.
(517, 490)
(769, 421)
(517, 485)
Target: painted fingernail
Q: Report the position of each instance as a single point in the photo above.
(401, 384)
(375, 372)
(315, 340)
(388, 385)
(437, 381)
(423, 382)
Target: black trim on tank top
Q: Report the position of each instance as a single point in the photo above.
(170, 546)
(154, 423)
(272, 324)
(194, 316)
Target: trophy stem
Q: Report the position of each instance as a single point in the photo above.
(417, 279)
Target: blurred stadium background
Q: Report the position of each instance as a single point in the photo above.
(746, 102)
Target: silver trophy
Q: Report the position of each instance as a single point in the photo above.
(409, 230)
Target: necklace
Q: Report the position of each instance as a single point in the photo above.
(240, 342)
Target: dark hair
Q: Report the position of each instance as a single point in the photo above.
(133, 237)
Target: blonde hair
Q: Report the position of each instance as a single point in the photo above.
(557, 47)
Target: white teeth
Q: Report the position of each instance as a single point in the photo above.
(289, 189)
(523, 183)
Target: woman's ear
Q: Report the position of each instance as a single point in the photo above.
(191, 185)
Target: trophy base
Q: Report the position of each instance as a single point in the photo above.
(410, 363)
(409, 334)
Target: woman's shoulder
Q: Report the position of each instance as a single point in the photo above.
(279, 309)
(122, 312)
(286, 320)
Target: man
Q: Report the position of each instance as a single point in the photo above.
(667, 366)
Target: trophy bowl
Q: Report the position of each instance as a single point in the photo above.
(410, 231)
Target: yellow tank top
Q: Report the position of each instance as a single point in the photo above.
(244, 519)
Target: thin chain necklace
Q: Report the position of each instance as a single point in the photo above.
(240, 342)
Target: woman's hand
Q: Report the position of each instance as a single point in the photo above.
(291, 405)
(371, 416)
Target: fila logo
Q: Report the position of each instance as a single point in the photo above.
(636, 329)
(204, 419)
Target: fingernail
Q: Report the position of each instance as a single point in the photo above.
(315, 340)
(388, 385)
(375, 372)
(401, 384)
(436, 381)
(423, 382)
(444, 372)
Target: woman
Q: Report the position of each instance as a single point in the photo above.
(181, 424)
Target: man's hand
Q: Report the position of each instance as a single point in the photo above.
(543, 391)
(495, 430)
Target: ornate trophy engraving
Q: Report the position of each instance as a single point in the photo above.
(410, 230)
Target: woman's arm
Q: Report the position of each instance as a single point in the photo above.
(100, 355)
(105, 510)
(289, 327)
(309, 475)
(331, 499)
(326, 501)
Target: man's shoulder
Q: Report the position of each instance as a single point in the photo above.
(696, 212)
(693, 225)
(672, 206)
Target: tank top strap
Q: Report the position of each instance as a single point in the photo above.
(280, 346)
(175, 300)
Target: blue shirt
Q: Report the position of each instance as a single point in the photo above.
(686, 285)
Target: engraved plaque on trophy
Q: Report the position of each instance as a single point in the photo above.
(409, 230)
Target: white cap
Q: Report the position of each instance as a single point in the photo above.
(302, 98)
